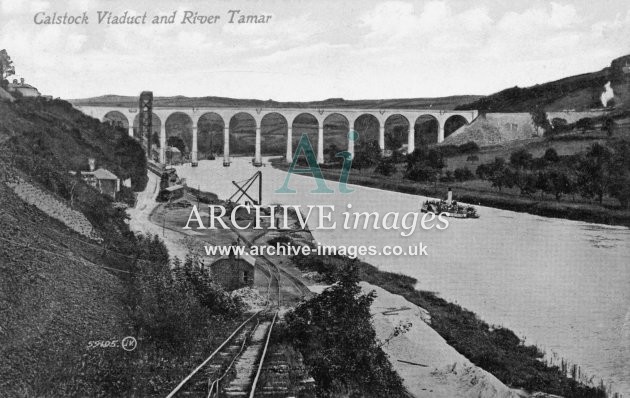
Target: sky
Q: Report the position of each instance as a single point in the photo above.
(311, 50)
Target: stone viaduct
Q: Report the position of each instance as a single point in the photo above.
(288, 114)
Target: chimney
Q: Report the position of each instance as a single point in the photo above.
(22, 81)
(92, 163)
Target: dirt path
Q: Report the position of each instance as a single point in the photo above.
(139, 219)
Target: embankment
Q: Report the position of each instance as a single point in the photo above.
(498, 128)
(496, 350)
(546, 208)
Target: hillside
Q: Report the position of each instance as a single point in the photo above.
(182, 101)
(59, 290)
(579, 93)
(53, 301)
(53, 131)
(74, 279)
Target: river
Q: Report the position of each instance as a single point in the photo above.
(562, 285)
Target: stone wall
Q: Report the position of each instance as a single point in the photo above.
(54, 208)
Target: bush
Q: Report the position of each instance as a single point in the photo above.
(366, 155)
(168, 307)
(397, 157)
(422, 173)
(126, 195)
(385, 167)
(521, 159)
(608, 126)
(559, 124)
(333, 331)
(133, 161)
(469, 147)
(447, 177)
(463, 174)
(585, 123)
(551, 155)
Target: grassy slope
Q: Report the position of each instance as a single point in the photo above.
(52, 302)
(580, 92)
(55, 295)
(64, 132)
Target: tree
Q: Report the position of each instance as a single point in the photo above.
(334, 333)
(6, 67)
(620, 180)
(386, 167)
(551, 155)
(539, 118)
(155, 139)
(366, 155)
(521, 159)
(330, 154)
(586, 123)
(557, 182)
(594, 172)
(608, 126)
(133, 162)
(559, 124)
(425, 165)
(420, 172)
(463, 174)
(395, 139)
(498, 173)
(435, 159)
(177, 142)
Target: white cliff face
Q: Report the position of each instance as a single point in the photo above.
(431, 367)
(607, 95)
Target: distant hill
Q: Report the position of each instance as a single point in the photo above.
(177, 101)
(579, 93)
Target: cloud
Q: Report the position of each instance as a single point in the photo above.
(302, 55)
(373, 49)
(279, 32)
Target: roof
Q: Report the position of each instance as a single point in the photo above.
(173, 188)
(243, 259)
(5, 96)
(101, 174)
(20, 85)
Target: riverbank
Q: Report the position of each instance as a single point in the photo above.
(429, 366)
(466, 192)
(538, 294)
(496, 350)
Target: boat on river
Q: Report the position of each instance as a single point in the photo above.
(449, 207)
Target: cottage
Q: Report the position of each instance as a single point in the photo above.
(23, 89)
(174, 155)
(234, 272)
(102, 179)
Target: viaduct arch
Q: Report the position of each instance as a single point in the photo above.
(297, 121)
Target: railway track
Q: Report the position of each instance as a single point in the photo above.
(234, 368)
(242, 365)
